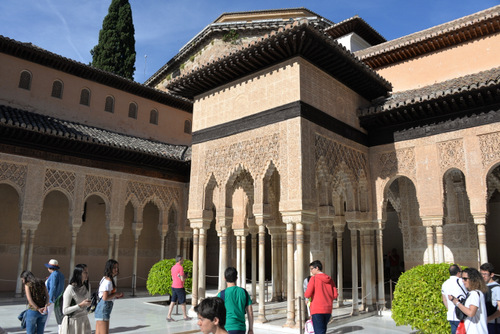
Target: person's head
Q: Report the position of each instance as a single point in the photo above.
(455, 270)
(111, 269)
(80, 275)
(211, 314)
(315, 267)
(52, 265)
(473, 280)
(230, 274)
(178, 259)
(27, 277)
(487, 272)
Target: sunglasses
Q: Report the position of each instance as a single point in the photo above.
(465, 278)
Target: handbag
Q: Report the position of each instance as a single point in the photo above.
(461, 328)
(309, 328)
(93, 302)
(22, 318)
(458, 312)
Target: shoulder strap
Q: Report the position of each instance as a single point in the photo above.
(458, 282)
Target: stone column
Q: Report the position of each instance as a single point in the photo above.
(262, 273)
(20, 262)
(137, 226)
(364, 274)
(222, 256)
(196, 240)
(354, 261)
(339, 225)
(430, 243)
(238, 257)
(480, 221)
(243, 273)
(111, 238)
(74, 233)
(299, 269)
(440, 244)
(290, 241)
(254, 267)
(162, 246)
(202, 264)
(380, 265)
(31, 244)
(274, 262)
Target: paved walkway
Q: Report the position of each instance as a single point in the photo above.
(144, 314)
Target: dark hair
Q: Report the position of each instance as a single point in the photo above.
(178, 258)
(28, 277)
(454, 269)
(231, 274)
(211, 308)
(476, 281)
(487, 267)
(108, 270)
(316, 264)
(76, 279)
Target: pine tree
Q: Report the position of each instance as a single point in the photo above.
(115, 51)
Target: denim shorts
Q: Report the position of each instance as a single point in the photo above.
(178, 295)
(103, 310)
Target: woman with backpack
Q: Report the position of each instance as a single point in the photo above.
(38, 301)
(76, 299)
(474, 306)
(107, 293)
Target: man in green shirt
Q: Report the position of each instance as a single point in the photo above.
(237, 302)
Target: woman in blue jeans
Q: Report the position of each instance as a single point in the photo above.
(38, 301)
(107, 293)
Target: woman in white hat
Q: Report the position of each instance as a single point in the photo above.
(55, 284)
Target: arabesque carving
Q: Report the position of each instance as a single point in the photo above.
(145, 191)
(400, 162)
(335, 153)
(490, 147)
(97, 184)
(14, 173)
(451, 154)
(55, 178)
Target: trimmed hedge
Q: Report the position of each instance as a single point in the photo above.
(160, 277)
(417, 299)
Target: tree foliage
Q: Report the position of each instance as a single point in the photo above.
(417, 299)
(160, 278)
(115, 51)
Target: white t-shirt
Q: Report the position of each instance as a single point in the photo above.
(495, 297)
(450, 287)
(105, 285)
(478, 323)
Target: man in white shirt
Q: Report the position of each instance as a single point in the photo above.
(453, 286)
(492, 298)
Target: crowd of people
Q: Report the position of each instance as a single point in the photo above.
(471, 297)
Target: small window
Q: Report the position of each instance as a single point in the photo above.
(132, 110)
(153, 117)
(187, 126)
(25, 80)
(57, 89)
(110, 104)
(85, 97)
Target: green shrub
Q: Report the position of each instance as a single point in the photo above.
(160, 278)
(417, 299)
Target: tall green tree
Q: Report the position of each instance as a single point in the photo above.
(115, 51)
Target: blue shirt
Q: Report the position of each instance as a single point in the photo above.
(55, 285)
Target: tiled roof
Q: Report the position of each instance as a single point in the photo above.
(460, 94)
(455, 32)
(357, 25)
(267, 11)
(296, 39)
(32, 53)
(12, 118)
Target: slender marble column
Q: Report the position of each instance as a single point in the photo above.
(73, 252)
(222, 257)
(262, 275)
(243, 273)
(299, 239)
(31, 244)
(196, 240)
(380, 268)
(117, 246)
(440, 244)
(111, 238)
(274, 265)
(481, 235)
(430, 243)
(202, 264)
(162, 247)
(134, 265)
(254, 268)
(20, 262)
(339, 230)
(364, 273)
(238, 259)
(354, 261)
(290, 317)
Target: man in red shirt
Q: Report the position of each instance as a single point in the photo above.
(321, 289)
(178, 291)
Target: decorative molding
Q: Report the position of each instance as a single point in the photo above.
(490, 147)
(97, 184)
(334, 154)
(14, 173)
(451, 154)
(55, 178)
(401, 162)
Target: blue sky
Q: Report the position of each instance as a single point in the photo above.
(71, 27)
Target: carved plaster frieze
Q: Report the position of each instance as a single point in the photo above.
(59, 179)
(490, 148)
(145, 191)
(254, 154)
(14, 173)
(401, 162)
(98, 184)
(451, 154)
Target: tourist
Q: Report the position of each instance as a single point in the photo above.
(76, 299)
(55, 285)
(38, 301)
(107, 293)
(453, 286)
(178, 291)
(211, 315)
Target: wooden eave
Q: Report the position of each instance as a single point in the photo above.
(43, 57)
(356, 25)
(299, 40)
(430, 43)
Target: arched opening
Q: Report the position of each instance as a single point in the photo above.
(149, 242)
(10, 237)
(493, 216)
(171, 239)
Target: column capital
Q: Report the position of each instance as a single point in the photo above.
(432, 221)
(356, 216)
(200, 222)
(479, 218)
(299, 216)
(242, 232)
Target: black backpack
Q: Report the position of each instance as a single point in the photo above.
(490, 309)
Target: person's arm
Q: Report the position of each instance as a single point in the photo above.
(445, 300)
(250, 318)
(496, 314)
(51, 288)
(468, 311)
(108, 295)
(310, 288)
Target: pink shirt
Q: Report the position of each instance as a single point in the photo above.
(177, 271)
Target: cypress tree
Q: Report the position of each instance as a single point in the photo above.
(115, 51)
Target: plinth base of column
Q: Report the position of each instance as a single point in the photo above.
(370, 308)
(289, 323)
(354, 312)
(261, 319)
(340, 303)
